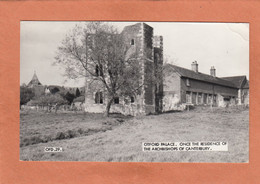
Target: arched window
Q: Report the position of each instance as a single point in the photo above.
(132, 99)
(99, 70)
(132, 42)
(99, 98)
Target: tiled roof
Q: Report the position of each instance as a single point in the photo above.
(237, 80)
(200, 76)
(79, 99)
(246, 86)
(34, 81)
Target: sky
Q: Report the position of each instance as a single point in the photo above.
(222, 45)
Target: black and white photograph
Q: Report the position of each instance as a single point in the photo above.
(107, 91)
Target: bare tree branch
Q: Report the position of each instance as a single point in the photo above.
(98, 51)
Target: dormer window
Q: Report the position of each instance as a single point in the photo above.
(132, 42)
(187, 82)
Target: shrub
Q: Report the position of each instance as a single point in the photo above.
(26, 94)
(60, 135)
(79, 99)
(48, 99)
(69, 97)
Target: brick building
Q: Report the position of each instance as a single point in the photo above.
(184, 86)
(242, 84)
(177, 87)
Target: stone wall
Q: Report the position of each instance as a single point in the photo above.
(158, 72)
(138, 40)
(124, 107)
(142, 34)
(149, 87)
(93, 86)
(148, 41)
(133, 33)
(148, 55)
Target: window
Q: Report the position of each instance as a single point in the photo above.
(210, 99)
(187, 82)
(214, 99)
(116, 100)
(98, 98)
(227, 98)
(188, 97)
(200, 98)
(132, 99)
(99, 70)
(205, 98)
(194, 98)
(132, 42)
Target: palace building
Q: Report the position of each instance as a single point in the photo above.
(178, 88)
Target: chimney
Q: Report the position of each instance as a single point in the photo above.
(194, 66)
(213, 71)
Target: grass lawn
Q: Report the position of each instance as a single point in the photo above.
(91, 137)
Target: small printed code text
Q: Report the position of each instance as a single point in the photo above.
(53, 149)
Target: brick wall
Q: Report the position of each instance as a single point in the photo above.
(204, 88)
(171, 88)
(172, 82)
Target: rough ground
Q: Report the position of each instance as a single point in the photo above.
(91, 137)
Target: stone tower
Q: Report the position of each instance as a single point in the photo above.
(158, 71)
(140, 44)
(140, 40)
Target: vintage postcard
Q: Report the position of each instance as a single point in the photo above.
(129, 92)
(134, 91)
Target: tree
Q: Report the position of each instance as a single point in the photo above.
(79, 99)
(54, 90)
(97, 51)
(170, 60)
(49, 100)
(69, 97)
(26, 94)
